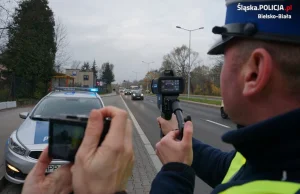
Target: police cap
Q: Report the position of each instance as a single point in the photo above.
(271, 20)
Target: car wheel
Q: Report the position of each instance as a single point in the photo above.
(142, 98)
(223, 113)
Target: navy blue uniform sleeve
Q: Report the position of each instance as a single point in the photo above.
(174, 178)
(210, 164)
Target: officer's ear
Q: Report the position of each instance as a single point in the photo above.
(257, 72)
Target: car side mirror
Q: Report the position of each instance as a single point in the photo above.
(23, 115)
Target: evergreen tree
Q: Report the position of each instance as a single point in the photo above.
(107, 73)
(31, 49)
(95, 69)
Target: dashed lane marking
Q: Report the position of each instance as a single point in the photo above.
(217, 123)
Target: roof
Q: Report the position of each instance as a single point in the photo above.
(61, 75)
(71, 94)
(79, 70)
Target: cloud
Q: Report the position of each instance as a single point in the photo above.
(128, 32)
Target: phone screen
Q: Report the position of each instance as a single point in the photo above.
(66, 139)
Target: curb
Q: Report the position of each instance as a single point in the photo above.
(155, 160)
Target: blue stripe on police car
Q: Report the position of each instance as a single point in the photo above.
(41, 135)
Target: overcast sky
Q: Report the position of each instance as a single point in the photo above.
(126, 32)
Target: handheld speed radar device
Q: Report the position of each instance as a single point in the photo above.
(167, 88)
(66, 135)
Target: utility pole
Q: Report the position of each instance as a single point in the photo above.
(148, 63)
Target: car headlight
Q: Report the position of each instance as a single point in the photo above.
(16, 147)
(133, 94)
(142, 94)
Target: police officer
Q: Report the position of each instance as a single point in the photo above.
(260, 82)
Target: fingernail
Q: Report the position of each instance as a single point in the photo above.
(188, 124)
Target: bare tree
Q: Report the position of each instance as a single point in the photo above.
(178, 60)
(62, 56)
(216, 63)
(205, 75)
(76, 64)
(6, 13)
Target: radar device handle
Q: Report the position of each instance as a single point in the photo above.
(178, 112)
(167, 117)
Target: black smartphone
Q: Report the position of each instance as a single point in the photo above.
(66, 135)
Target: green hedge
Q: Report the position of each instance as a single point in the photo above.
(4, 93)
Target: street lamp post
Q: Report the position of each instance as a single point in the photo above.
(189, 69)
(148, 63)
(135, 75)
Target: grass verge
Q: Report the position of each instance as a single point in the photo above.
(206, 101)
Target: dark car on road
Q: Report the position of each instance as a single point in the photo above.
(127, 92)
(137, 95)
(224, 115)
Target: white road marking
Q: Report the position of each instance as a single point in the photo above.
(156, 162)
(217, 123)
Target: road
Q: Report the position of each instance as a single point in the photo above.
(208, 125)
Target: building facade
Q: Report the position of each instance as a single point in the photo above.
(82, 78)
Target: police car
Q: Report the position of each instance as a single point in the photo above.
(224, 115)
(26, 143)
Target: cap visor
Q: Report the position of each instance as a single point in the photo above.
(219, 47)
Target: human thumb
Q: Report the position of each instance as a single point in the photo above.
(188, 132)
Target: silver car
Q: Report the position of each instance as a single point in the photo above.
(25, 144)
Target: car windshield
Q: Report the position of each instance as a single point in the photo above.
(55, 106)
(137, 91)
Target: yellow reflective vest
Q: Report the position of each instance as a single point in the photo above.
(256, 187)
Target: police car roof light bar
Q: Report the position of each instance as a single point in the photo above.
(76, 89)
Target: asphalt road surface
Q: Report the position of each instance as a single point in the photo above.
(208, 125)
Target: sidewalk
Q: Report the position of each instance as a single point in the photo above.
(108, 95)
(143, 171)
(146, 163)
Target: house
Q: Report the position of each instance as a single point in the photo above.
(82, 78)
